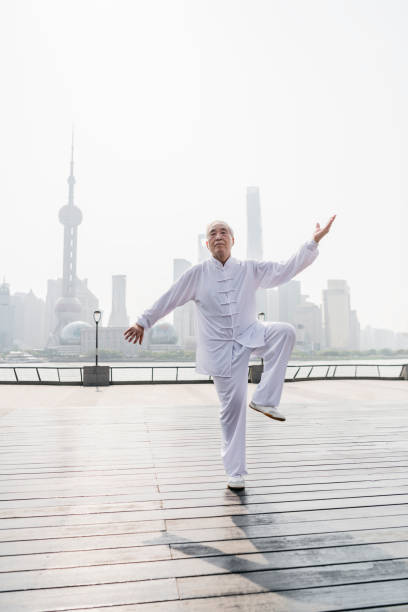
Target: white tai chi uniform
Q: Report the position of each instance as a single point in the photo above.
(228, 332)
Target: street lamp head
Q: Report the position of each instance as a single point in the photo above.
(97, 316)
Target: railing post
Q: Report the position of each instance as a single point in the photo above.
(38, 374)
(15, 374)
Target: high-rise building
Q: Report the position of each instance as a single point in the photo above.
(354, 331)
(68, 299)
(184, 316)
(203, 252)
(254, 224)
(28, 323)
(308, 324)
(336, 304)
(118, 317)
(254, 239)
(289, 300)
(6, 318)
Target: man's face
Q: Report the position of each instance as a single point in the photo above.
(219, 241)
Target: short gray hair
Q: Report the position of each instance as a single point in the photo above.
(217, 221)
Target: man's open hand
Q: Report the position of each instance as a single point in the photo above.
(319, 233)
(135, 334)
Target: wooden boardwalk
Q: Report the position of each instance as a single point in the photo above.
(115, 499)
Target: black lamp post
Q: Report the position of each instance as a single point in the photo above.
(97, 317)
(261, 317)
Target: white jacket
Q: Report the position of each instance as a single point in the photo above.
(224, 296)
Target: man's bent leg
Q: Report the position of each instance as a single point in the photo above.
(280, 339)
(232, 393)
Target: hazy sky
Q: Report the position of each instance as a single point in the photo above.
(177, 107)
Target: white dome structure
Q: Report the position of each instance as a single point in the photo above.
(71, 333)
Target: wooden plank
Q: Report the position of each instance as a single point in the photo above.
(91, 541)
(89, 596)
(177, 516)
(63, 531)
(273, 459)
(125, 571)
(18, 509)
(351, 597)
(280, 580)
(48, 498)
(135, 554)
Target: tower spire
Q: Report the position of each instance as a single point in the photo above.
(71, 178)
(72, 152)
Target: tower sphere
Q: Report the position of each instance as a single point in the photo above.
(68, 305)
(70, 215)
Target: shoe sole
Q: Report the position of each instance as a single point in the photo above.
(275, 418)
(236, 488)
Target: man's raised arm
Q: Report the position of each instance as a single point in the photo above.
(181, 292)
(272, 274)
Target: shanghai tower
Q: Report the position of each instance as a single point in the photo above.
(254, 239)
(254, 224)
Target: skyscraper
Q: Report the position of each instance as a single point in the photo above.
(336, 304)
(289, 299)
(118, 317)
(6, 317)
(254, 224)
(308, 324)
(28, 324)
(254, 239)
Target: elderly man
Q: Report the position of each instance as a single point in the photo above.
(223, 289)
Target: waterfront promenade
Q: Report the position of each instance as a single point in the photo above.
(114, 498)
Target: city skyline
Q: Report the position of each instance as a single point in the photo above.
(312, 111)
(69, 284)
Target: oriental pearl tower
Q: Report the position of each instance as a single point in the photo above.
(68, 306)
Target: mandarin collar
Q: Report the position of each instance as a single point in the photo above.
(227, 266)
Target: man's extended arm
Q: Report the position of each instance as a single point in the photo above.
(272, 274)
(181, 292)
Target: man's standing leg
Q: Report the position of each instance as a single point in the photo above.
(280, 339)
(232, 393)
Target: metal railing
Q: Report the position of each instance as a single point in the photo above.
(182, 374)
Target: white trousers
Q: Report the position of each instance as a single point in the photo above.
(232, 390)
